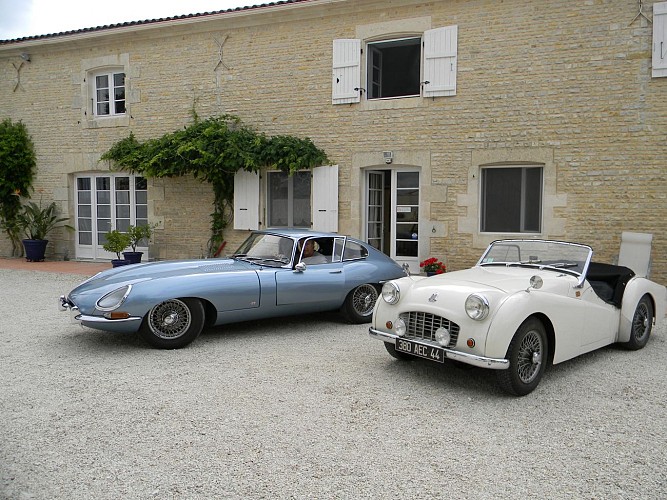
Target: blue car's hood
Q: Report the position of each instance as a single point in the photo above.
(165, 269)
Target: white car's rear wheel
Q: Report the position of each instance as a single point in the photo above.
(642, 323)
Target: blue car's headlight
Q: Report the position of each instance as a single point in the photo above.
(477, 307)
(113, 300)
(391, 292)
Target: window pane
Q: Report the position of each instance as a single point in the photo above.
(406, 231)
(84, 197)
(85, 224)
(141, 197)
(123, 197)
(123, 211)
(103, 225)
(119, 107)
(83, 183)
(104, 197)
(533, 205)
(104, 211)
(103, 183)
(142, 212)
(103, 109)
(122, 183)
(407, 214)
(301, 196)
(406, 248)
(85, 238)
(122, 225)
(407, 180)
(140, 183)
(277, 202)
(407, 196)
(102, 81)
(85, 211)
(119, 79)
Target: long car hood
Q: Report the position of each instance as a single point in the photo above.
(166, 269)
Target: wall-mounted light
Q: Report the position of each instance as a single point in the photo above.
(388, 156)
(25, 56)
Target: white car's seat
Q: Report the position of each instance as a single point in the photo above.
(636, 252)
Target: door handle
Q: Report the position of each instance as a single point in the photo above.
(336, 272)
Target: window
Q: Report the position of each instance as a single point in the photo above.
(105, 202)
(305, 199)
(407, 67)
(288, 199)
(109, 94)
(393, 68)
(511, 199)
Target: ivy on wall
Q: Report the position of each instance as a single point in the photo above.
(17, 170)
(213, 150)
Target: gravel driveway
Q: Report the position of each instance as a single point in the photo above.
(307, 407)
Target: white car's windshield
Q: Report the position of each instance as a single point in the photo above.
(542, 254)
(266, 249)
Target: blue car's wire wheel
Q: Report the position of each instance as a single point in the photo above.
(173, 323)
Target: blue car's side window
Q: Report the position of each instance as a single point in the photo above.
(354, 251)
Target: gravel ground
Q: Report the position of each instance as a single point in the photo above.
(307, 407)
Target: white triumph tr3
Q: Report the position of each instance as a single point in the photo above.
(524, 305)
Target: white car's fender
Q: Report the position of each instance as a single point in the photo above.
(636, 288)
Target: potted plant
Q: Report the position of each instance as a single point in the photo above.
(36, 223)
(432, 266)
(116, 242)
(136, 234)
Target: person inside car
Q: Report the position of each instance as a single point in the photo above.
(309, 255)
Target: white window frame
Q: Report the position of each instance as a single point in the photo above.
(438, 70)
(659, 59)
(110, 74)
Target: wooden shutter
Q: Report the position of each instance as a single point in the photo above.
(440, 54)
(346, 74)
(246, 200)
(659, 40)
(325, 198)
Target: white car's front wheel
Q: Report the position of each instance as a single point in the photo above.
(527, 354)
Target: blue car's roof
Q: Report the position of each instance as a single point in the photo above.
(292, 232)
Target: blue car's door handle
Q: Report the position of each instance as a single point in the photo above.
(336, 272)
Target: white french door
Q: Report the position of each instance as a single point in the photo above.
(106, 202)
(392, 214)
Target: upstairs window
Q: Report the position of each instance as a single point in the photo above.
(288, 199)
(422, 65)
(109, 94)
(394, 68)
(511, 200)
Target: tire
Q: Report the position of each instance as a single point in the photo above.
(527, 354)
(642, 323)
(173, 324)
(396, 354)
(359, 303)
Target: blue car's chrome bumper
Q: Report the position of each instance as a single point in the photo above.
(130, 324)
(470, 359)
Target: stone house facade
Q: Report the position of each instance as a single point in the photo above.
(449, 123)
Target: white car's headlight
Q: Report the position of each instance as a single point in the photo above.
(113, 300)
(477, 307)
(391, 292)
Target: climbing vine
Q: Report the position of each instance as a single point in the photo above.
(213, 150)
(17, 170)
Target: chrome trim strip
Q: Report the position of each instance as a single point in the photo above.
(100, 319)
(470, 359)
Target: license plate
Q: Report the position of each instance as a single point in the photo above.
(421, 350)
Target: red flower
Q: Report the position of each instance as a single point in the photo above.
(433, 265)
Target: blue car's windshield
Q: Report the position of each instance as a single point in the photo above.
(266, 249)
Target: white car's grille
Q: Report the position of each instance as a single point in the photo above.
(423, 326)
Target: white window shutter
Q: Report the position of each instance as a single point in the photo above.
(659, 40)
(440, 60)
(325, 198)
(246, 200)
(346, 73)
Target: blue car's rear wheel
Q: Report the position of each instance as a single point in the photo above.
(359, 303)
(173, 323)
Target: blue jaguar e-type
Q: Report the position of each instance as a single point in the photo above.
(273, 273)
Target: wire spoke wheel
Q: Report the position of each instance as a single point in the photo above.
(363, 299)
(529, 360)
